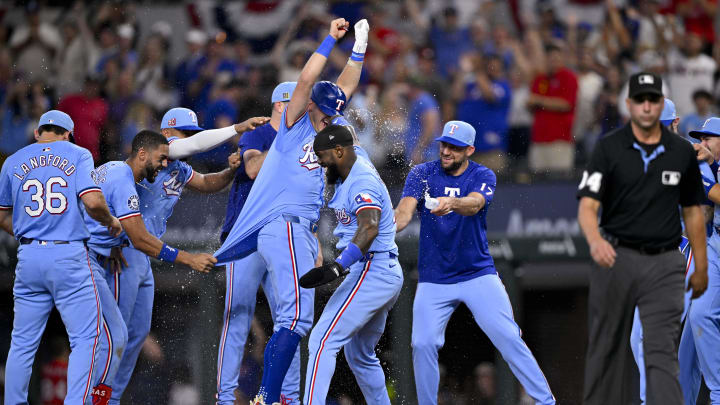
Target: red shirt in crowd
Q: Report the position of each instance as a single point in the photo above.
(89, 116)
(549, 126)
(697, 20)
(54, 382)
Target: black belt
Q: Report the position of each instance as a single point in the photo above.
(302, 221)
(647, 250)
(378, 255)
(26, 241)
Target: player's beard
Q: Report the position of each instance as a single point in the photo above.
(150, 173)
(332, 174)
(453, 166)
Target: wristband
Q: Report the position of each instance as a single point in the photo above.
(326, 46)
(350, 255)
(357, 57)
(168, 253)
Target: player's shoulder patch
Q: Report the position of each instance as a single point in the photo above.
(133, 202)
(364, 198)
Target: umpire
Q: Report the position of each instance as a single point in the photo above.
(639, 174)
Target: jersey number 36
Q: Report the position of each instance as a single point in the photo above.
(44, 197)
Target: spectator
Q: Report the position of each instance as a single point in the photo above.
(703, 102)
(484, 102)
(483, 389)
(552, 99)
(590, 85)
(77, 53)
(608, 112)
(215, 66)
(53, 379)
(139, 116)
(423, 124)
(689, 70)
(152, 78)
(450, 41)
(698, 17)
(24, 103)
(89, 112)
(189, 67)
(34, 45)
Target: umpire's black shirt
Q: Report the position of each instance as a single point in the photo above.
(640, 186)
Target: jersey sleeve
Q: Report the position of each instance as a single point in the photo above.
(364, 194)
(692, 191)
(84, 181)
(5, 188)
(708, 180)
(593, 179)
(285, 137)
(484, 183)
(188, 172)
(123, 196)
(415, 184)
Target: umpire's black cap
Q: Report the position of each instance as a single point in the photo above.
(332, 136)
(644, 83)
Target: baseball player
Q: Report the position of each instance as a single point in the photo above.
(158, 194)
(278, 219)
(700, 337)
(117, 180)
(244, 276)
(456, 266)
(354, 318)
(41, 187)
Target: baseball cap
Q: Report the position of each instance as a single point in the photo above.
(458, 133)
(57, 118)
(196, 37)
(329, 98)
(668, 114)
(283, 92)
(644, 83)
(180, 118)
(332, 136)
(710, 127)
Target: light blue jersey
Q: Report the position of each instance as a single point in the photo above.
(290, 182)
(116, 180)
(157, 199)
(43, 183)
(363, 189)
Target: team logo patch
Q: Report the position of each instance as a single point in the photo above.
(172, 122)
(646, 79)
(670, 178)
(193, 117)
(173, 186)
(134, 202)
(342, 216)
(363, 198)
(309, 160)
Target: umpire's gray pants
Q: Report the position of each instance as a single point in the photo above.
(655, 284)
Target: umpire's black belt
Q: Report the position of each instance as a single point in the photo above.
(639, 247)
(302, 221)
(26, 241)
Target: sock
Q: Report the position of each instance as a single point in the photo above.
(279, 353)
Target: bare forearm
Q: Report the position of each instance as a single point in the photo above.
(364, 236)
(253, 165)
(588, 220)
(6, 221)
(350, 77)
(554, 104)
(215, 182)
(101, 214)
(467, 206)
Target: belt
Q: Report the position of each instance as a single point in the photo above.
(638, 247)
(26, 241)
(302, 221)
(378, 255)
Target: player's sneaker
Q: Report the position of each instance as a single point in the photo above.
(101, 394)
(259, 400)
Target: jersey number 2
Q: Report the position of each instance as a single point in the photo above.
(45, 198)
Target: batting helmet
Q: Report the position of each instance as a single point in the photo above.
(329, 98)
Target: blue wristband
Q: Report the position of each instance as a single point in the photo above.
(350, 255)
(357, 57)
(327, 45)
(167, 253)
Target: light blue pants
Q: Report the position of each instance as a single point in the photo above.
(489, 303)
(242, 279)
(134, 291)
(354, 318)
(47, 276)
(113, 333)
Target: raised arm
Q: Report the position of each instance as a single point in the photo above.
(350, 76)
(211, 138)
(312, 69)
(404, 212)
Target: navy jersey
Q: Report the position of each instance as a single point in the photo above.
(290, 182)
(116, 180)
(157, 199)
(453, 247)
(42, 183)
(362, 190)
(259, 139)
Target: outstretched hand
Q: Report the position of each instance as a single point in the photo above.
(250, 124)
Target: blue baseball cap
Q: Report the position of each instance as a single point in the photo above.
(710, 127)
(58, 118)
(668, 114)
(180, 118)
(458, 133)
(329, 98)
(283, 91)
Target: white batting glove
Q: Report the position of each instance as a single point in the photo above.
(361, 36)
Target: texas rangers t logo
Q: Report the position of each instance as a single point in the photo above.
(309, 159)
(452, 191)
(453, 127)
(339, 104)
(172, 185)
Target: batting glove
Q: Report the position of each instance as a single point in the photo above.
(361, 36)
(322, 275)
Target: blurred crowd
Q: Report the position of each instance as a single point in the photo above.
(540, 80)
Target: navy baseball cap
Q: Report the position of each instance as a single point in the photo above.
(180, 118)
(710, 127)
(458, 133)
(668, 114)
(57, 118)
(283, 92)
